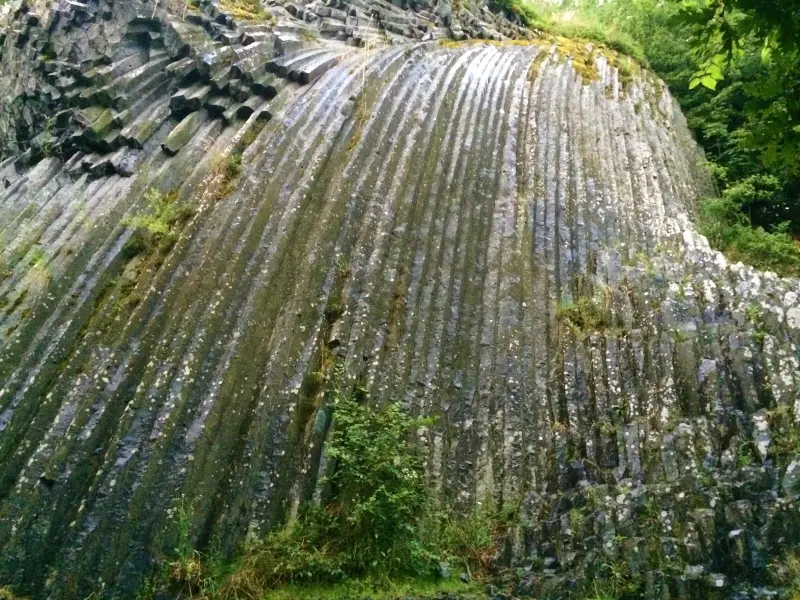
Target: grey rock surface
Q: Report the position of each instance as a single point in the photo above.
(195, 211)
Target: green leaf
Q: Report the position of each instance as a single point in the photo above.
(708, 82)
(715, 72)
(694, 83)
(719, 60)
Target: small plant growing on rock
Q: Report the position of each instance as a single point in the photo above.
(587, 314)
(158, 228)
(246, 10)
(229, 168)
(187, 573)
(5, 268)
(785, 434)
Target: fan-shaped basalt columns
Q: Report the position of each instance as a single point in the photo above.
(230, 214)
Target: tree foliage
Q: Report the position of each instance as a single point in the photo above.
(727, 34)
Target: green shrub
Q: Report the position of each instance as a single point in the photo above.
(728, 230)
(375, 528)
(525, 10)
(369, 522)
(468, 541)
(761, 198)
(609, 36)
(378, 487)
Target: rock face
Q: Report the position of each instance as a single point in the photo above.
(200, 216)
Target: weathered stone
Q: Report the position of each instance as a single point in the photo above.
(142, 129)
(230, 115)
(182, 133)
(217, 105)
(190, 99)
(127, 161)
(761, 433)
(268, 85)
(791, 479)
(739, 514)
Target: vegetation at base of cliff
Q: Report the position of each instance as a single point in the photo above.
(787, 573)
(730, 231)
(734, 67)
(376, 589)
(376, 532)
(375, 528)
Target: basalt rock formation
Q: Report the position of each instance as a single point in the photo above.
(202, 214)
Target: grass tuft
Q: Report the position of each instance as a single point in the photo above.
(587, 314)
(159, 227)
(246, 10)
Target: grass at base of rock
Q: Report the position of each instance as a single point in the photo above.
(380, 589)
(376, 531)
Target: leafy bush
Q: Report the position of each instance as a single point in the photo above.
(528, 14)
(729, 231)
(370, 519)
(543, 16)
(577, 28)
(761, 197)
(378, 488)
(744, 125)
